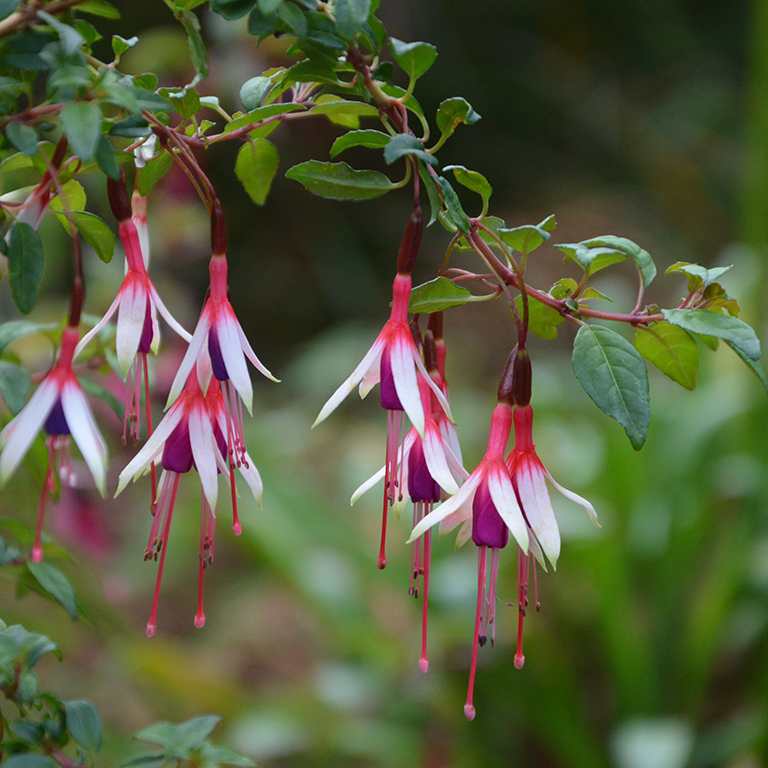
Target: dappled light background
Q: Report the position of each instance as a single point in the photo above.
(644, 120)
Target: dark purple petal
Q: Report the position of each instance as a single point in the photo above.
(56, 423)
(177, 453)
(217, 359)
(421, 485)
(221, 442)
(147, 334)
(488, 529)
(387, 390)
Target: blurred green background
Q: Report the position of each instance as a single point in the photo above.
(647, 120)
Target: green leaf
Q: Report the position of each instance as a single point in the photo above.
(70, 38)
(453, 111)
(338, 106)
(437, 295)
(81, 121)
(120, 45)
(253, 92)
(28, 760)
(232, 9)
(592, 259)
(432, 195)
(593, 293)
(14, 385)
(260, 24)
(698, 277)
(528, 237)
(542, 320)
(350, 16)
(267, 6)
(7, 7)
(56, 584)
(197, 54)
(99, 8)
(338, 181)
(472, 180)
(754, 365)
(220, 756)
(262, 113)
(153, 171)
(405, 144)
(84, 724)
(16, 328)
(730, 329)
(23, 137)
(641, 257)
(365, 138)
(672, 350)
(25, 265)
(186, 101)
(71, 193)
(145, 760)
(179, 739)
(564, 288)
(414, 58)
(106, 158)
(293, 18)
(453, 205)
(94, 231)
(613, 374)
(256, 166)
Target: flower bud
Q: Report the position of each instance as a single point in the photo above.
(409, 246)
(218, 231)
(118, 199)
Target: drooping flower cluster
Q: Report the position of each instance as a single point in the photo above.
(504, 496)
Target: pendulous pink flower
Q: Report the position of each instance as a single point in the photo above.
(58, 406)
(195, 433)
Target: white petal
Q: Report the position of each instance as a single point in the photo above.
(225, 327)
(438, 392)
(199, 338)
(85, 432)
(251, 355)
(574, 497)
(167, 316)
(96, 328)
(371, 357)
(534, 496)
(402, 355)
(466, 492)
(19, 434)
(367, 485)
(437, 462)
(464, 534)
(503, 496)
(253, 478)
(153, 447)
(203, 447)
(130, 322)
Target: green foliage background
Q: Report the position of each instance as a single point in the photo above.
(646, 120)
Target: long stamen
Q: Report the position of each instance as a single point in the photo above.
(382, 561)
(152, 623)
(469, 709)
(423, 663)
(149, 426)
(492, 593)
(48, 487)
(523, 570)
(200, 615)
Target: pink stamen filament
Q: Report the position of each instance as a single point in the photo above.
(423, 663)
(523, 573)
(153, 473)
(393, 473)
(206, 557)
(162, 545)
(469, 709)
(48, 487)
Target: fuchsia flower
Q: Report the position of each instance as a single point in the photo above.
(218, 334)
(137, 304)
(58, 406)
(195, 433)
(395, 362)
